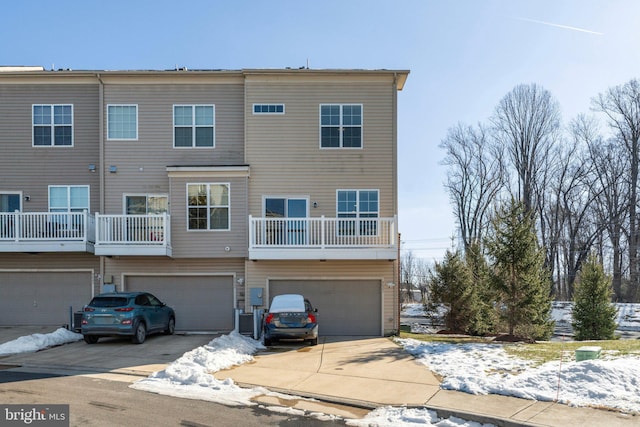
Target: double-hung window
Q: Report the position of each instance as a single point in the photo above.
(208, 206)
(193, 126)
(122, 122)
(341, 126)
(361, 207)
(68, 198)
(53, 125)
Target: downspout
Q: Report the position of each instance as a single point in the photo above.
(396, 264)
(101, 168)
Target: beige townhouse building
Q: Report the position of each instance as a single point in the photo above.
(213, 189)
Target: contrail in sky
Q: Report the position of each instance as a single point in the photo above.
(566, 27)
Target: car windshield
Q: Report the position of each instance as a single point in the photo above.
(108, 302)
(287, 303)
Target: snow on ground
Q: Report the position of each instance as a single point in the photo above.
(488, 369)
(473, 368)
(35, 342)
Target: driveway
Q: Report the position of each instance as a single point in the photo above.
(109, 355)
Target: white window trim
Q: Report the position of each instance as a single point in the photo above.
(287, 198)
(137, 122)
(88, 187)
(19, 193)
(53, 125)
(342, 104)
(207, 230)
(146, 195)
(358, 191)
(253, 109)
(193, 126)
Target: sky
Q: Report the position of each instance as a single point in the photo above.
(471, 368)
(463, 55)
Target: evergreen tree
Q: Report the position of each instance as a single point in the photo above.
(518, 273)
(485, 319)
(594, 316)
(451, 285)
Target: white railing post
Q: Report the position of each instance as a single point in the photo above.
(252, 240)
(322, 232)
(18, 226)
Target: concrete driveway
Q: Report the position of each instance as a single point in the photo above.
(109, 355)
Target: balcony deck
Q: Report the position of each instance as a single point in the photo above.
(47, 232)
(144, 235)
(323, 238)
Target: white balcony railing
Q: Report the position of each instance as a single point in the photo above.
(133, 234)
(25, 226)
(360, 238)
(46, 231)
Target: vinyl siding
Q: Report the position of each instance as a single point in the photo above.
(32, 169)
(210, 243)
(284, 150)
(141, 164)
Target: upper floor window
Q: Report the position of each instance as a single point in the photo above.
(122, 122)
(193, 126)
(268, 108)
(68, 198)
(208, 206)
(341, 126)
(52, 125)
(361, 205)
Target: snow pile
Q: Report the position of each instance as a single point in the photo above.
(36, 342)
(407, 417)
(191, 375)
(488, 369)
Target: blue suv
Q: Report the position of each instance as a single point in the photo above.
(135, 314)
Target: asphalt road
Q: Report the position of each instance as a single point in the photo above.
(100, 402)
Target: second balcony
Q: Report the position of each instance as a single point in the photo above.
(145, 235)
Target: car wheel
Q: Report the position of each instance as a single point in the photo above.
(140, 333)
(267, 342)
(313, 341)
(171, 327)
(90, 339)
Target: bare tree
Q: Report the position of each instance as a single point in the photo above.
(611, 190)
(414, 275)
(474, 178)
(621, 106)
(527, 121)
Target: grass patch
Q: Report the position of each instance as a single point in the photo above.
(540, 352)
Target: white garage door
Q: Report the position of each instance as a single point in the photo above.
(345, 307)
(42, 298)
(202, 303)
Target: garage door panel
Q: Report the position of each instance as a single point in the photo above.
(42, 298)
(345, 307)
(203, 303)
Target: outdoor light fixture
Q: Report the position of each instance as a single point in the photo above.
(27, 198)
(390, 284)
(113, 169)
(92, 167)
